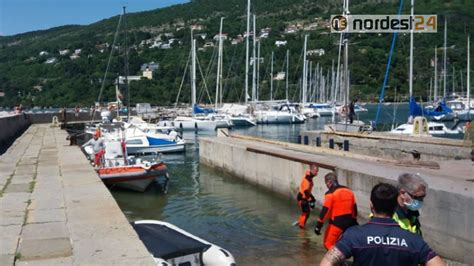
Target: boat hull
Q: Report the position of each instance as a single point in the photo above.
(158, 149)
(197, 124)
(242, 122)
(279, 119)
(132, 177)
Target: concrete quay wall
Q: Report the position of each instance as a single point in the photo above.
(10, 128)
(447, 216)
(393, 146)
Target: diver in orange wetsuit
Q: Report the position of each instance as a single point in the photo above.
(341, 209)
(305, 197)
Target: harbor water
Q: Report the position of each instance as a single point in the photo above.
(252, 223)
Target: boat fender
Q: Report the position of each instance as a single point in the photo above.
(146, 165)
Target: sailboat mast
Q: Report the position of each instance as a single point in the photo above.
(468, 84)
(247, 53)
(271, 80)
(444, 55)
(346, 58)
(410, 84)
(257, 84)
(436, 75)
(254, 65)
(219, 66)
(286, 76)
(193, 72)
(127, 87)
(305, 71)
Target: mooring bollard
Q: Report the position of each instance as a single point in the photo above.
(306, 140)
(331, 143)
(299, 139)
(318, 141)
(346, 145)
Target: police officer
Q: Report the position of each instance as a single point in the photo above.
(381, 241)
(339, 207)
(411, 192)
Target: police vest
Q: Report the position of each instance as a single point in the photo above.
(410, 224)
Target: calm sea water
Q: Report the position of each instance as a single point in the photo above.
(252, 223)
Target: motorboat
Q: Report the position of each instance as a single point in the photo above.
(141, 138)
(198, 123)
(171, 245)
(238, 114)
(433, 128)
(127, 171)
(284, 114)
(310, 112)
(324, 109)
(139, 141)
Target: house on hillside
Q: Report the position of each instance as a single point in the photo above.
(197, 27)
(148, 69)
(74, 57)
(265, 32)
(43, 53)
(317, 52)
(208, 44)
(291, 29)
(64, 52)
(237, 40)
(51, 60)
(280, 43)
(201, 35)
(216, 37)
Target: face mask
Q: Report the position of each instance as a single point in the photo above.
(414, 205)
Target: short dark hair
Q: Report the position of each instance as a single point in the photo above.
(384, 198)
(330, 177)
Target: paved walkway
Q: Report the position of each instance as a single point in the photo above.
(54, 210)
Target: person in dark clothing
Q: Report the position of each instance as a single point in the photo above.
(381, 241)
(352, 110)
(339, 207)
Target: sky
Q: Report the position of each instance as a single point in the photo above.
(19, 16)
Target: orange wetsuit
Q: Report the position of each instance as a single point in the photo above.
(305, 197)
(341, 209)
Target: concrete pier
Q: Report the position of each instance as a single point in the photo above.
(55, 210)
(388, 145)
(447, 216)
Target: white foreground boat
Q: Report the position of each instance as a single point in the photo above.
(171, 245)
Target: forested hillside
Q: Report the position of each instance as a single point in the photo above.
(65, 66)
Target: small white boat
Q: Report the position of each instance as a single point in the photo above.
(285, 114)
(130, 173)
(434, 128)
(205, 123)
(243, 120)
(324, 109)
(238, 114)
(171, 245)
